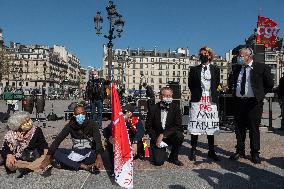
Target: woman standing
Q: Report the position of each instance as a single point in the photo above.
(203, 82)
(24, 145)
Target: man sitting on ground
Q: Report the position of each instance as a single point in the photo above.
(87, 146)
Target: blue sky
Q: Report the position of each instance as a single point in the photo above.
(220, 24)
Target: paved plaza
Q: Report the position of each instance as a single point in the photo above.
(201, 174)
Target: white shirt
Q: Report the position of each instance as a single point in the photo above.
(248, 89)
(205, 80)
(164, 114)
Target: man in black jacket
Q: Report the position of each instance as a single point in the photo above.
(86, 140)
(164, 127)
(281, 99)
(149, 94)
(252, 80)
(95, 92)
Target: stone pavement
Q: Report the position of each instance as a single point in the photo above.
(201, 174)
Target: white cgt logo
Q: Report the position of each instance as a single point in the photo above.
(267, 32)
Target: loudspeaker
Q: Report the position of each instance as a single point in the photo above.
(175, 86)
(259, 53)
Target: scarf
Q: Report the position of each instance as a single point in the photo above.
(18, 142)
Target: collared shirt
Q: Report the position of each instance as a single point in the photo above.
(248, 88)
(164, 114)
(206, 80)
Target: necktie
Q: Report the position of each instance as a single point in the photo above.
(243, 83)
(205, 68)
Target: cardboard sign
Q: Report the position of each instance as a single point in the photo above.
(203, 118)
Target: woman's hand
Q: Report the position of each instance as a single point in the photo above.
(10, 161)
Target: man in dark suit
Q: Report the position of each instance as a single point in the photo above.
(164, 126)
(252, 80)
(203, 82)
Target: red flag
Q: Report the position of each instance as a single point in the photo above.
(267, 32)
(123, 159)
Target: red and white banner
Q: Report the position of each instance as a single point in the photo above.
(267, 32)
(123, 158)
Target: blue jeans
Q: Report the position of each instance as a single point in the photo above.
(97, 111)
(61, 155)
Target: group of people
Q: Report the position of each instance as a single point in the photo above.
(25, 148)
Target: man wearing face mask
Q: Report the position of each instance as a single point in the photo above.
(87, 146)
(203, 82)
(251, 80)
(164, 127)
(95, 92)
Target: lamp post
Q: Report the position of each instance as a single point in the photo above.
(116, 24)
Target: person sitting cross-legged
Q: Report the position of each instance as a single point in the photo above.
(87, 146)
(24, 145)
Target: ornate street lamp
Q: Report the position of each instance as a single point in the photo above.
(116, 24)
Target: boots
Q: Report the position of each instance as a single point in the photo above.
(212, 155)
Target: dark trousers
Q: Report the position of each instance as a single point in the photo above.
(97, 111)
(248, 116)
(210, 138)
(160, 155)
(109, 148)
(11, 107)
(61, 155)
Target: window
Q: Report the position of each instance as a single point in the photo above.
(146, 65)
(133, 66)
(184, 73)
(174, 73)
(141, 59)
(133, 79)
(133, 72)
(35, 84)
(160, 66)
(146, 72)
(160, 80)
(174, 67)
(160, 73)
(178, 73)
(178, 66)
(152, 80)
(160, 59)
(27, 84)
(141, 66)
(160, 86)
(167, 72)
(141, 73)
(152, 59)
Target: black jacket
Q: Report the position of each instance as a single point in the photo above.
(134, 136)
(153, 122)
(38, 143)
(261, 79)
(88, 130)
(194, 82)
(281, 88)
(95, 89)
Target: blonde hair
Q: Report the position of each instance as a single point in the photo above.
(209, 50)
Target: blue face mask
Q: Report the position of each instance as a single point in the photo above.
(240, 60)
(80, 118)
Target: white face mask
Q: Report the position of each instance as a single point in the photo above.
(167, 100)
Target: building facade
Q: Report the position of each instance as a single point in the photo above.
(38, 66)
(132, 67)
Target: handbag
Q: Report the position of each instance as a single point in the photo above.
(30, 155)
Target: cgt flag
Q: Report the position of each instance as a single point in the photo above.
(123, 159)
(267, 32)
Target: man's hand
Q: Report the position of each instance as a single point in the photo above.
(159, 140)
(45, 162)
(134, 149)
(99, 161)
(10, 162)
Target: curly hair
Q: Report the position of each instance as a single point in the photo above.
(209, 50)
(15, 121)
